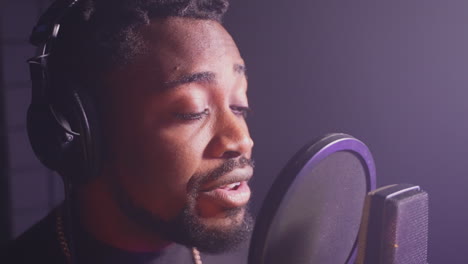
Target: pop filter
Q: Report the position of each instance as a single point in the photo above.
(313, 210)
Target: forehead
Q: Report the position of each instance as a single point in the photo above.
(188, 34)
(185, 43)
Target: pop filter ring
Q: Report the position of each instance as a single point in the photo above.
(307, 157)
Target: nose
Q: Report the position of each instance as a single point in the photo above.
(231, 138)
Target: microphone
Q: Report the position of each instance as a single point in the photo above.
(394, 227)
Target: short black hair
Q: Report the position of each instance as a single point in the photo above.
(102, 34)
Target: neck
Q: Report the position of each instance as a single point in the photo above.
(101, 217)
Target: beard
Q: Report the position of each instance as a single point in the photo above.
(188, 228)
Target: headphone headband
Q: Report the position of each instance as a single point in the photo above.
(49, 23)
(43, 36)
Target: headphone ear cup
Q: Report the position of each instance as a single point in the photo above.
(65, 136)
(90, 140)
(48, 139)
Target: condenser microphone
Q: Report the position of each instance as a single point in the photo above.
(394, 228)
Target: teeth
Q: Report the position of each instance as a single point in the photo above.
(233, 185)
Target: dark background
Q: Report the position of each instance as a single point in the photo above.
(391, 73)
(4, 179)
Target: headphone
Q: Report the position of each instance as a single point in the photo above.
(61, 121)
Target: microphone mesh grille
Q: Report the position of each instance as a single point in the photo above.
(405, 241)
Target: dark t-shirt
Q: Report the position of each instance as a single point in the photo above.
(40, 244)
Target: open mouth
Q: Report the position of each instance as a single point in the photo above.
(231, 187)
(231, 195)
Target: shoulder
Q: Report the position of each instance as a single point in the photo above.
(37, 245)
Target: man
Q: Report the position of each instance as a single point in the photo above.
(169, 87)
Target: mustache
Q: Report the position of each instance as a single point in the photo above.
(226, 167)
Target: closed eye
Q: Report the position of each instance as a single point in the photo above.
(192, 116)
(241, 110)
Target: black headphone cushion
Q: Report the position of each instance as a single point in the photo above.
(65, 135)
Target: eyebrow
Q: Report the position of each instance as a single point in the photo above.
(239, 68)
(191, 78)
(205, 76)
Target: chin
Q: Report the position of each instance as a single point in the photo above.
(226, 220)
(218, 234)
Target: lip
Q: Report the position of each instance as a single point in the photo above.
(227, 198)
(238, 175)
(217, 193)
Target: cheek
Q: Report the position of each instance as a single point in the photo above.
(164, 162)
(155, 158)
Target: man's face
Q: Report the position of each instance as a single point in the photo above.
(179, 145)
